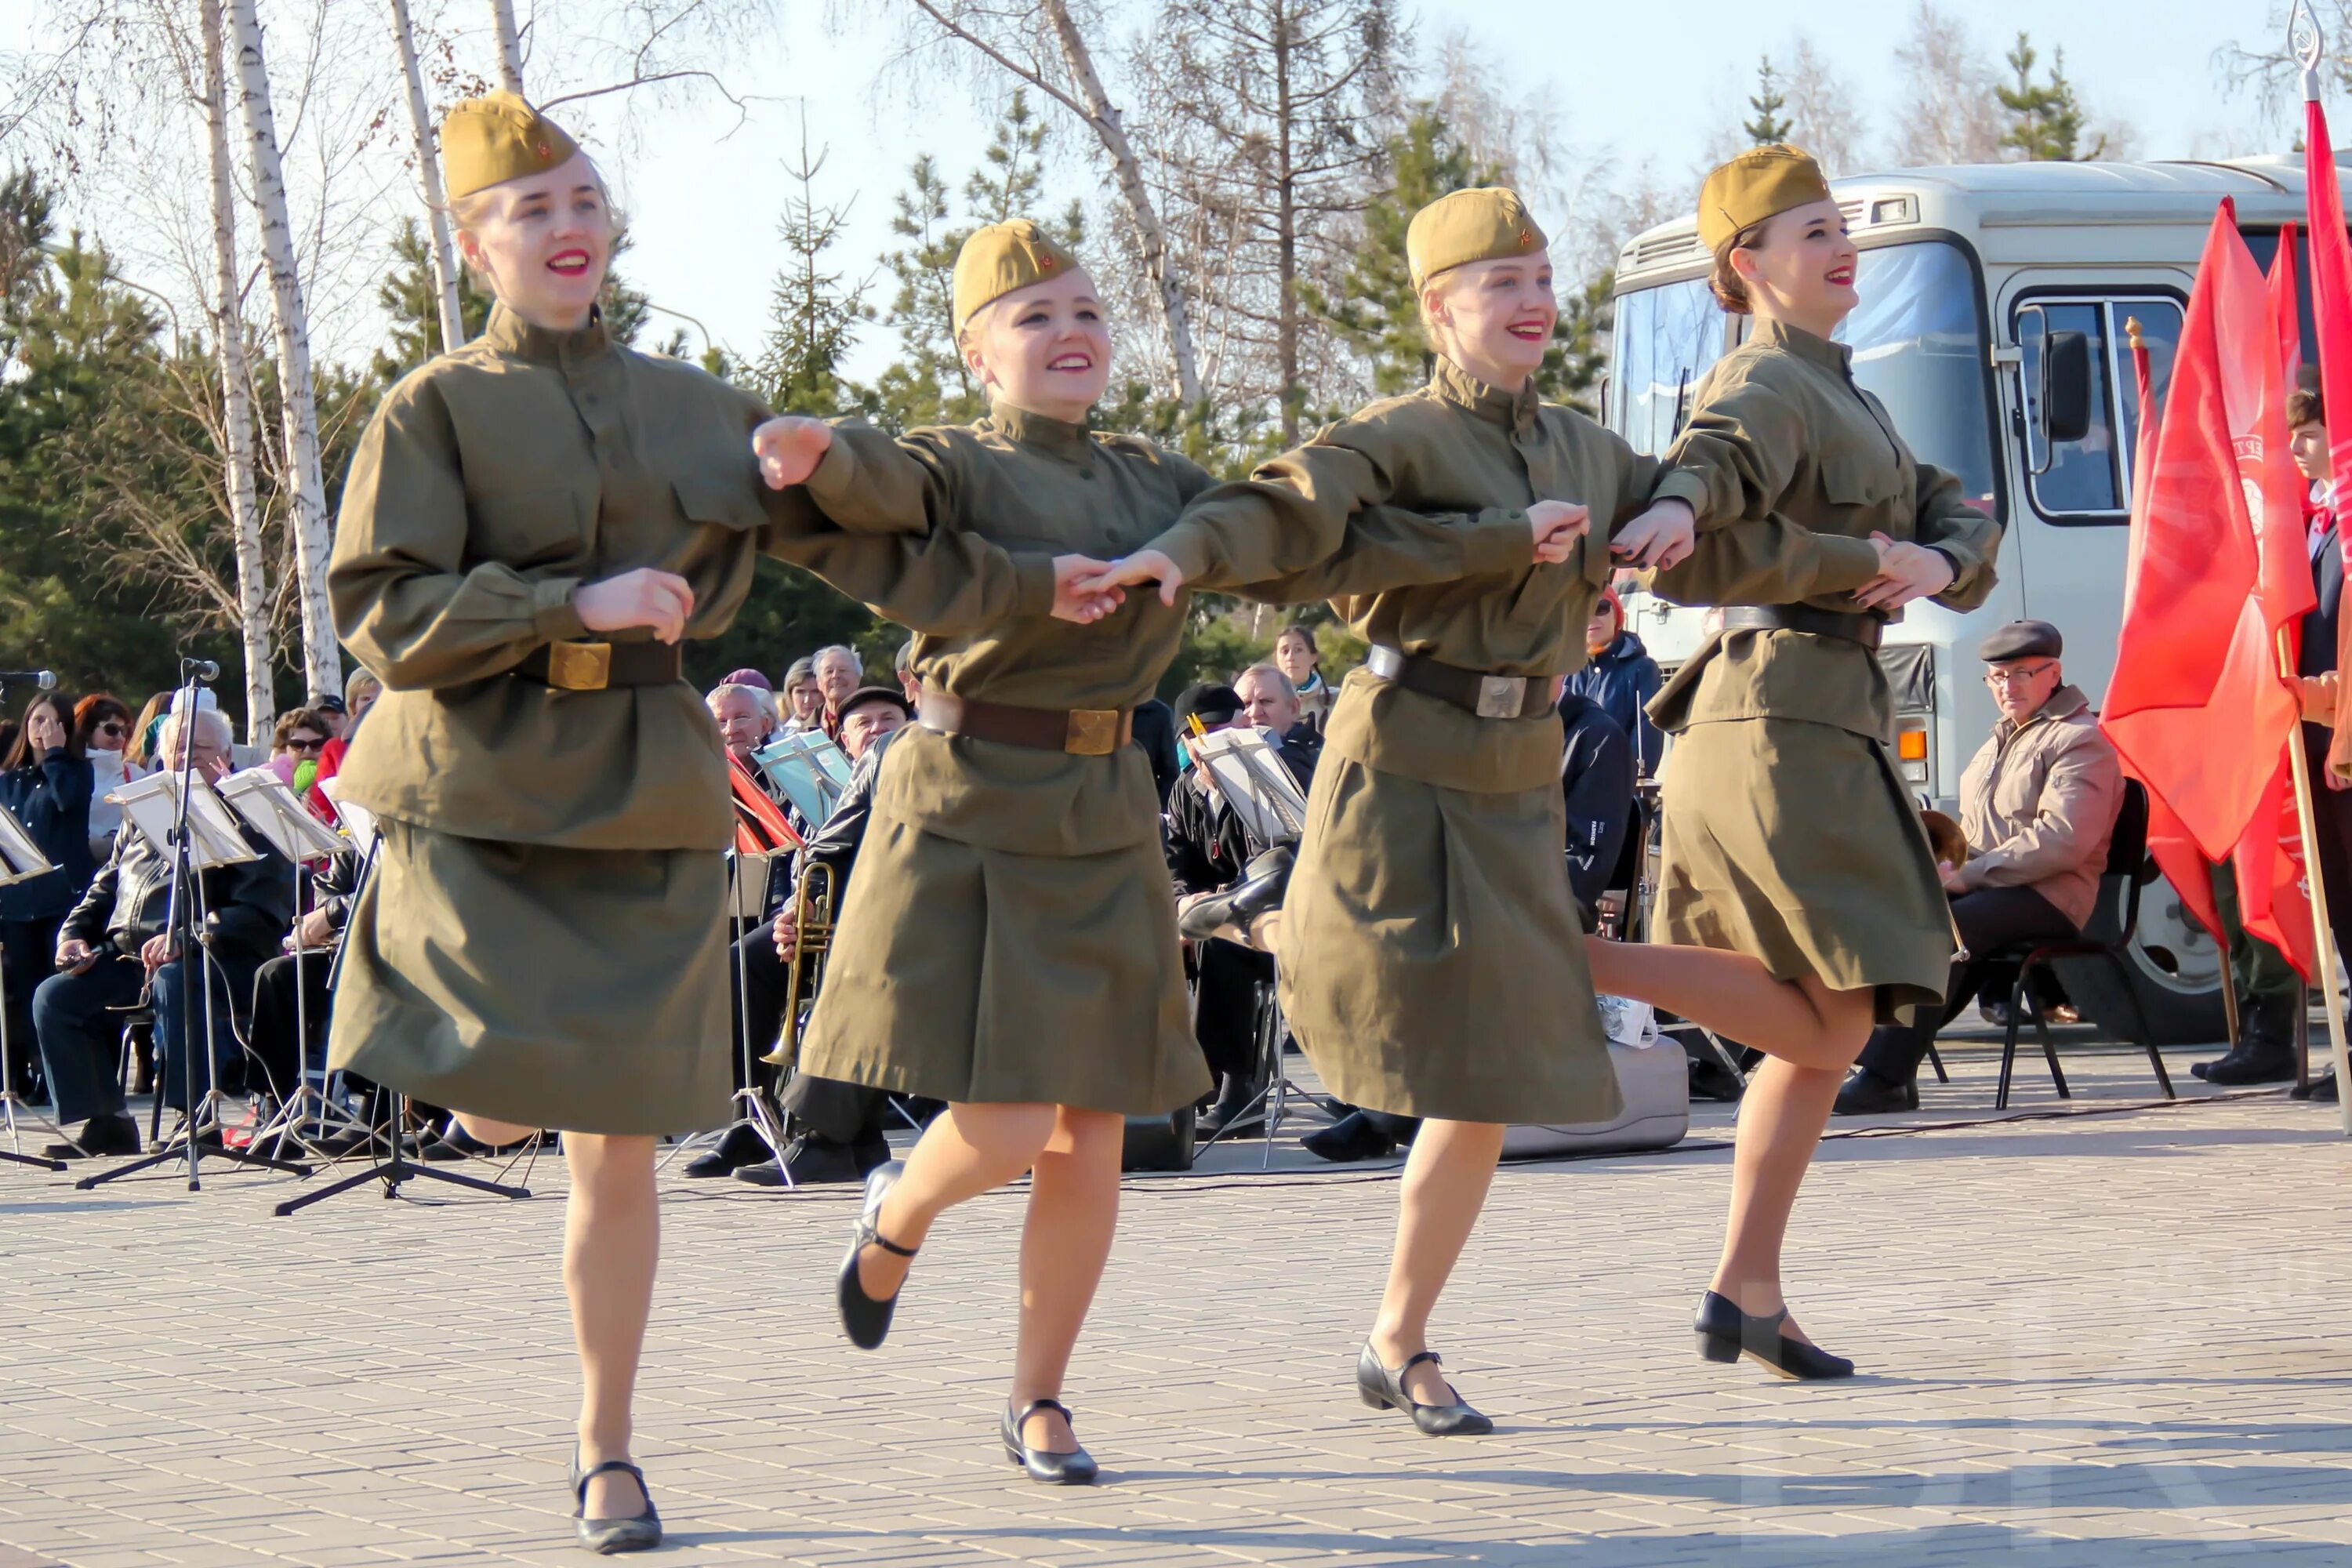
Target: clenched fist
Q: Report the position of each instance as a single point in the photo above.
(788, 448)
(1558, 525)
(644, 597)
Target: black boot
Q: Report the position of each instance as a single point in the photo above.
(814, 1159)
(2260, 1058)
(2321, 1090)
(742, 1146)
(1237, 1108)
(1864, 1093)
(1351, 1138)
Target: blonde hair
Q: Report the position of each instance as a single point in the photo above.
(468, 213)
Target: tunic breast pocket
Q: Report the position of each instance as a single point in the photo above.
(718, 501)
(526, 527)
(1852, 483)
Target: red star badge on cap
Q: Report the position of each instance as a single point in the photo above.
(1045, 264)
(545, 151)
(1526, 236)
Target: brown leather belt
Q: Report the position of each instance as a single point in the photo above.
(593, 665)
(1866, 630)
(1080, 731)
(1487, 696)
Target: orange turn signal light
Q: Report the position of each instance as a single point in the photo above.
(1911, 745)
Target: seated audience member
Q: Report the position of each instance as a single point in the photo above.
(115, 947)
(839, 671)
(1620, 678)
(2038, 804)
(1207, 852)
(746, 676)
(746, 716)
(1271, 703)
(44, 782)
(103, 725)
(839, 1125)
(803, 704)
(1301, 663)
(280, 1045)
(332, 714)
(1596, 776)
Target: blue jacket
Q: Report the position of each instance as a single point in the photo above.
(51, 798)
(1596, 775)
(1620, 681)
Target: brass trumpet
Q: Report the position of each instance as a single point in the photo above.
(813, 922)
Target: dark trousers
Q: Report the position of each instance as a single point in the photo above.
(2270, 992)
(1228, 996)
(843, 1113)
(1989, 919)
(27, 954)
(81, 1039)
(2331, 816)
(277, 1035)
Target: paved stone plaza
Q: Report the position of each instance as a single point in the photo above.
(2116, 1336)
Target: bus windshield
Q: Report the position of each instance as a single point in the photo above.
(1918, 344)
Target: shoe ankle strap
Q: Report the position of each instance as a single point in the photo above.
(609, 1467)
(1021, 1417)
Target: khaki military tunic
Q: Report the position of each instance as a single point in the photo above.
(1011, 935)
(1789, 832)
(542, 939)
(1433, 964)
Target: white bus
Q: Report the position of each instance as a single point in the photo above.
(1988, 291)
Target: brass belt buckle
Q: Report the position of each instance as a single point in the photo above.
(1499, 696)
(1093, 733)
(580, 665)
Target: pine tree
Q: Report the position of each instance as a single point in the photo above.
(1771, 125)
(406, 295)
(929, 385)
(814, 315)
(2046, 120)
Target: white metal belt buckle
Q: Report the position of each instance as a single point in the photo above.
(1499, 696)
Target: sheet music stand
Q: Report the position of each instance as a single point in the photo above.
(185, 822)
(21, 860)
(272, 810)
(810, 770)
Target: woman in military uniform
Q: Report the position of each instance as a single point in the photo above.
(531, 524)
(1799, 893)
(1012, 948)
(1431, 961)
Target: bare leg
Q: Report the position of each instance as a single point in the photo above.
(1800, 1021)
(612, 1236)
(495, 1133)
(1073, 1210)
(1780, 1121)
(966, 1150)
(1445, 1182)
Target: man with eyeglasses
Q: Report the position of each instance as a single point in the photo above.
(2038, 804)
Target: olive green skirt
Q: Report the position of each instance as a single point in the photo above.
(1432, 961)
(967, 974)
(1795, 843)
(583, 990)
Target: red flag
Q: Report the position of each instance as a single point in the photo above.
(2286, 314)
(2331, 290)
(2198, 706)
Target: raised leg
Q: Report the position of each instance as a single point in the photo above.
(1445, 1182)
(968, 1148)
(612, 1238)
(1073, 1211)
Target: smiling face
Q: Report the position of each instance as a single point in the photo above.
(1494, 319)
(542, 241)
(1602, 629)
(1800, 271)
(1046, 348)
(741, 724)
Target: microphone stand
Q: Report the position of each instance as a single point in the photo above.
(183, 922)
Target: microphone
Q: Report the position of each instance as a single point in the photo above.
(202, 669)
(40, 680)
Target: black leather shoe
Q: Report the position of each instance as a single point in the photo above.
(100, 1136)
(1725, 1333)
(1075, 1468)
(1864, 1093)
(740, 1147)
(1382, 1387)
(1264, 881)
(866, 1320)
(812, 1160)
(2320, 1090)
(1238, 1108)
(1351, 1138)
(2257, 1059)
(638, 1532)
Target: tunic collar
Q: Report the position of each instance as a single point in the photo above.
(510, 332)
(1513, 411)
(1834, 357)
(1033, 429)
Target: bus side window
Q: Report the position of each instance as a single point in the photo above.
(2089, 481)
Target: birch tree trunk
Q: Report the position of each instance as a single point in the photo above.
(237, 400)
(322, 660)
(503, 13)
(428, 179)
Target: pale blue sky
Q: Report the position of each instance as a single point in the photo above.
(1631, 82)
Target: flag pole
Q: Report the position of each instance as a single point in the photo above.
(2309, 46)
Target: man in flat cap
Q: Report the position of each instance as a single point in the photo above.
(2038, 804)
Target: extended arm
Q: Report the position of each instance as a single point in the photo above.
(1387, 547)
(1771, 561)
(1738, 454)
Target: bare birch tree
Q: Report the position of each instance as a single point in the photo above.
(321, 659)
(428, 179)
(1950, 114)
(1043, 43)
(509, 41)
(1824, 114)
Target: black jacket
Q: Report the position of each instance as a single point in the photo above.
(51, 798)
(836, 844)
(2318, 654)
(249, 906)
(1621, 681)
(1155, 732)
(1596, 772)
(1206, 848)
